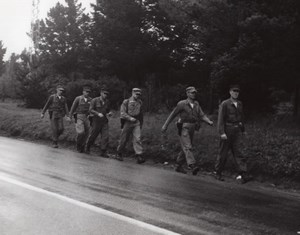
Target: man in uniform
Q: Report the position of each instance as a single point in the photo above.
(57, 108)
(190, 115)
(230, 127)
(132, 121)
(100, 110)
(80, 111)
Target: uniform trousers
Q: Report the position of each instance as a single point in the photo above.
(129, 128)
(57, 127)
(99, 126)
(186, 141)
(82, 129)
(232, 143)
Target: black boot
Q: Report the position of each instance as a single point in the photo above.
(180, 169)
(87, 149)
(140, 159)
(104, 154)
(82, 149)
(243, 178)
(218, 176)
(194, 168)
(247, 177)
(55, 144)
(79, 148)
(119, 157)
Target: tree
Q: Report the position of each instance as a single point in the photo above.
(63, 38)
(209, 29)
(2, 53)
(9, 83)
(133, 39)
(264, 56)
(116, 38)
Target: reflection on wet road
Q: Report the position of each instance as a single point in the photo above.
(179, 203)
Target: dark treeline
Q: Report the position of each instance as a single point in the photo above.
(163, 46)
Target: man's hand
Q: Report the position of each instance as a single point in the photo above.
(42, 116)
(164, 129)
(211, 123)
(100, 115)
(132, 119)
(224, 137)
(109, 114)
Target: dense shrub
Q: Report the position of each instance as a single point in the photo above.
(273, 151)
(32, 90)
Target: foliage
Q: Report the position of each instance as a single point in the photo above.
(31, 87)
(273, 150)
(8, 82)
(2, 53)
(157, 44)
(116, 87)
(118, 90)
(266, 41)
(64, 41)
(35, 83)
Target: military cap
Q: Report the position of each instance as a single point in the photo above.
(60, 87)
(104, 89)
(87, 88)
(191, 89)
(137, 90)
(235, 87)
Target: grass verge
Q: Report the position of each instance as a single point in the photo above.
(273, 151)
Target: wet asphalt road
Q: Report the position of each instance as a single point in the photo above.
(180, 203)
(29, 210)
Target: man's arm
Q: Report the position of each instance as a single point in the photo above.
(92, 107)
(108, 107)
(142, 114)
(207, 120)
(204, 117)
(109, 113)
(74, 106)
(66, 108)
(48, 103)
(242, 124)
(124, 111)
(221, 117)
(171, 117)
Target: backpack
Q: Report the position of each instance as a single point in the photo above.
(122, 120)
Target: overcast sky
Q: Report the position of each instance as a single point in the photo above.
(15, 18)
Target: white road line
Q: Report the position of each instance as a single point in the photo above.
(90, 207)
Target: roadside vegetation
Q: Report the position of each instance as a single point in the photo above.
(273, 147)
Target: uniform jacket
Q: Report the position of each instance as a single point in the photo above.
(56, 106)
(229, 114)
(186, 113)
(132, 108)
(98, 105)
(80, 106)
